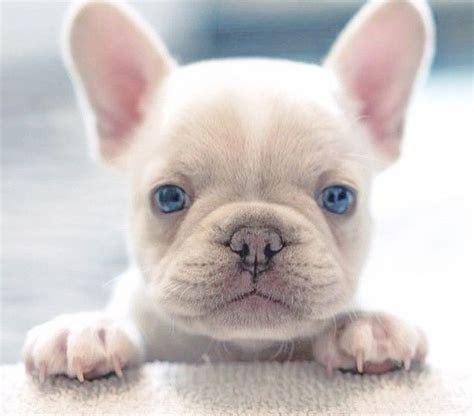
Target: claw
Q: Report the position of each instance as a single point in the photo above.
(117, 366)
(360, 361)
(422, 360)
(78, 371)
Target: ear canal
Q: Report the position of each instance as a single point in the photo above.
(378, 59)
(117, 64)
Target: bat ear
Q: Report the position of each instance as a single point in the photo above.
(117, 63)
(378, 58)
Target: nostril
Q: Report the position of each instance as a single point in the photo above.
(269, 252)
(242, 249)
(244, 252)
(256, 245)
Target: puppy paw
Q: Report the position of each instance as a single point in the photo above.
(372, 343)
(82, 346)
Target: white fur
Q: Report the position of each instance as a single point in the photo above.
(253, 142)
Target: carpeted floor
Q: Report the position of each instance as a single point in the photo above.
(240, 389)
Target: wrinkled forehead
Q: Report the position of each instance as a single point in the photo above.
(246, 135)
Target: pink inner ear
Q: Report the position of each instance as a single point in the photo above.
(379, 81)
(378, 110)
(117, 63)
(121, 106)
(121, 84)
(377, 59)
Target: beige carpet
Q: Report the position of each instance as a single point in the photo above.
(239, 389)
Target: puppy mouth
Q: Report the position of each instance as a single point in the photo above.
(256, 293)
(253, 302)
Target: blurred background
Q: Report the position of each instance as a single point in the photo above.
(63, 217)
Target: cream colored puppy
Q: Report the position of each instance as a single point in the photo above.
(249, 186)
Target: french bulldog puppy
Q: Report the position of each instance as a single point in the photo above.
(249, 184)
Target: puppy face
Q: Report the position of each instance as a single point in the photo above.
(253, 157)
(249, 179)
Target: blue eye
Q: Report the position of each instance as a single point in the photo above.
(169, 198)
(337, 199)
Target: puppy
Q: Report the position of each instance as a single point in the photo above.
(249, 184)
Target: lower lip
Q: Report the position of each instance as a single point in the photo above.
(256, 304)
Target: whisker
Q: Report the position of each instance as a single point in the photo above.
(111, 281)
(225, 347)
(279, 350)
(292, 350)
(186, 289)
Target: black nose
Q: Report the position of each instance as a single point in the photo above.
(256, 246)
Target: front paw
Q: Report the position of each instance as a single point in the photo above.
(83, 345)
(372, 343)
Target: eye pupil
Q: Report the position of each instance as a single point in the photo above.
(337, 199)
(169, 198)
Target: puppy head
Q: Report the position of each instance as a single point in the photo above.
(250, 178)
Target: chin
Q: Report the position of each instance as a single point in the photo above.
(253, 317)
